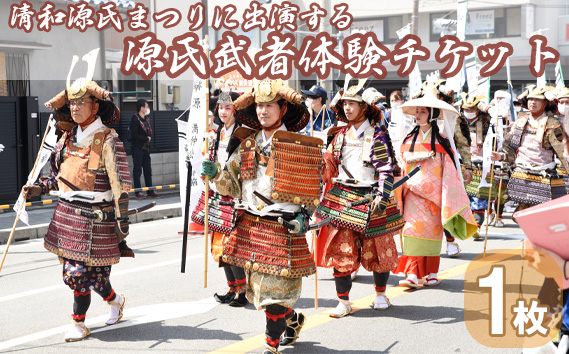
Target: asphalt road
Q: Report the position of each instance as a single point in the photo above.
(169, 312)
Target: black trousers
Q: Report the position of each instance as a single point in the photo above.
(141, 161)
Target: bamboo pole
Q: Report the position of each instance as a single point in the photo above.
(25, 195)
(499, 197)
(490, 192)
(206, 210)
(323, 111)
(315, 248)
(311, 120)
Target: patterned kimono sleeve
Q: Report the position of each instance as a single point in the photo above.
(227, 182)
(116, 165)
(49, 183)
(462, 146)
(508, 152)
(381, 157)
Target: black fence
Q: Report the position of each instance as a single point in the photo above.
(164, 129)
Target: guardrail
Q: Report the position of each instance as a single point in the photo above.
(9, 207)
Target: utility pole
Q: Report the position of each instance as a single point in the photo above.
(415, 18)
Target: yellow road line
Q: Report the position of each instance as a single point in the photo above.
(321, 318)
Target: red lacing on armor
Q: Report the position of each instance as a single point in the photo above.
(276, 317)
(78, 317)
(478, 212)
(380, 288)
(340, 275)
(68, 150)
(231, 284)
(78, 293)
(240, 281)
(108, 298)
(346, 294)
(272, 343)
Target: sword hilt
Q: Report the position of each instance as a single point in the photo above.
(293, 226)
(367, 199)
(96, 215)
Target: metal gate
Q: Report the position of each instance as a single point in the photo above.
(19, 135)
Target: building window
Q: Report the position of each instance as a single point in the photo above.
(437, 29)
(132, 88)
(14, 74)
(483, 24)
(384, 28)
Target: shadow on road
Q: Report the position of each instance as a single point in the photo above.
(314, 347)
(159, 333)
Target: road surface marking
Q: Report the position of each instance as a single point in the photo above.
(321, 318)
(114, 275)
(132, 317)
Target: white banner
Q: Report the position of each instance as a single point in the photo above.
(471, 73)
(559, 81)
(496, 123)
(541, 81)
(402, 32)
(196, 123)
(461, 15)
(197, 185)
(415, 82)
(45, 153)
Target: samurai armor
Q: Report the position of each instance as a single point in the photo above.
(265, 246)
(79, 238)
(534, 188)
(483, 193)
(359, 218)
(248, 159)
(80, 166)
(295, 164)
(561, 171)
(221, 218)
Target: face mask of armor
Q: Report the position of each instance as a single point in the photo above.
(470, 115)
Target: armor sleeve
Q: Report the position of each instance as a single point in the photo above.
(116, 165)
(509, 154)
(381, 157)
(462, 146)
(227, 182)
(329, 167)
(49, 183)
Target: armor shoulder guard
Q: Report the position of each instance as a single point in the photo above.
(521, 120)
(240, 134)
(332, 132)
(463, 124)
(299, 139)
(554, 126)
(553, 122)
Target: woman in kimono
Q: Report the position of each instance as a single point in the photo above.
(434, 200)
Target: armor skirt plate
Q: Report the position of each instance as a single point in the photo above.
(359, 218)
(533, 188)
(221, 218)
(265, 246)
(79, 238)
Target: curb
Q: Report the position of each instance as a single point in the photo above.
(159, 212)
